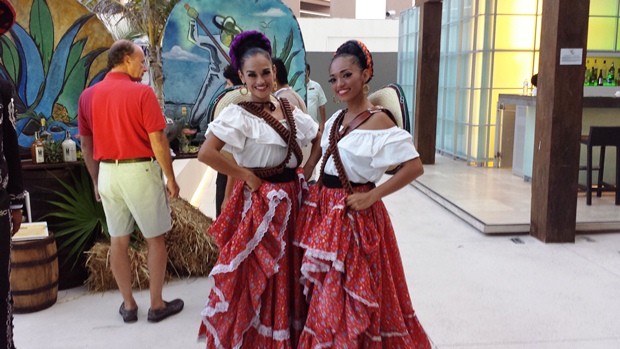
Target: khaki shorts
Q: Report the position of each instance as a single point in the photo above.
(134, 192)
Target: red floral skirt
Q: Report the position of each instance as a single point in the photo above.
(353, 277)
(252, 303)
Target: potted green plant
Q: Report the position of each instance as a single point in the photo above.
(82, 222)
(53, 151)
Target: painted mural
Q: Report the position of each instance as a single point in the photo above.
(196, 44)
(53, 52)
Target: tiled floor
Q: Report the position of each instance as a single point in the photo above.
(470, 290)
(494, 200)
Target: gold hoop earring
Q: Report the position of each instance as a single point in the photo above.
(335, 100)
(244, 88)
(366, 89)
(275, 86)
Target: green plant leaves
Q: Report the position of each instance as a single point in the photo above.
(74, 56)
(31, 77)
(83, 217)
(10, 58)
(75, 83)
(296, 76)
(287, 57)
(42, 30)
(288, 45)
(58, 67)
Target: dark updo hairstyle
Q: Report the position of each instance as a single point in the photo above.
(231, 74)
(247, 44)
(359, 53)
(118, 51)
(281, 72)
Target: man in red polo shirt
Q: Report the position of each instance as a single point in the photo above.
(122, 133)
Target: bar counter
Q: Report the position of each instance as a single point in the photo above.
(516, 119)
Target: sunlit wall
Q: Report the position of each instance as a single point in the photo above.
(488, 47)
(603, 26)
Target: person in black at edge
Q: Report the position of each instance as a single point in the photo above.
(11, 191)
(232, 79)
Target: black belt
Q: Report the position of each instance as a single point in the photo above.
(333, 182)
(127, 161)
(288, 175)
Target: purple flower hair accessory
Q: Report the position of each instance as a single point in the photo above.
(262, 42)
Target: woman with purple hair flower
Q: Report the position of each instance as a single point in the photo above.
(256, 298)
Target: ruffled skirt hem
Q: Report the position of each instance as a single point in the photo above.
(353, 277)
(250, 303)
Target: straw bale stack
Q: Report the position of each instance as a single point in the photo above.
(191, 251)
(100, 276)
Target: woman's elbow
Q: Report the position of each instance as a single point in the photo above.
(205, 155)
(416, 168)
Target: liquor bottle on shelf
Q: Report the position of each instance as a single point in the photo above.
(68, 148)
(588, 74)
(604, 73)
(600, 77)
(44, 133)
(37, 149)
(611, 73)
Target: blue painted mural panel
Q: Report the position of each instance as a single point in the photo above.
(196, 44)
(51, 54)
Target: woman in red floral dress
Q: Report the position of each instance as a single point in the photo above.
(252, 304)
(352, 271)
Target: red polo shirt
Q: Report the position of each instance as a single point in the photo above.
(119, 114)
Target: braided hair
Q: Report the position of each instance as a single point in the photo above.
(359, 53)
(247, 44)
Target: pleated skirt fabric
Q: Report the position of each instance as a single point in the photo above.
(256, 299)
(352, 277)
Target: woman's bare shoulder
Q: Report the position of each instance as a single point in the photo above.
(379, 120)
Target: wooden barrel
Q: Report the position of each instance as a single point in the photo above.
(34, 275)
(41, 181)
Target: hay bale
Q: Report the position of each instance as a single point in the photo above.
(191, 251)
(100, 276)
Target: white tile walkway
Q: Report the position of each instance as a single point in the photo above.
(495, 201)
(470, 290)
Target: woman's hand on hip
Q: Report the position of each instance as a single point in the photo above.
(361, 201)
(252, 182)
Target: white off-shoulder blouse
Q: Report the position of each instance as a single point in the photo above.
(367, 154)
(252, 142)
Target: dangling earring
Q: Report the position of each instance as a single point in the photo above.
(244, 90)
(335, 100)
(275, 86)
(366, 89)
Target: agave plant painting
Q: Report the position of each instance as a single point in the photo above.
(195, 49)
(49, 58)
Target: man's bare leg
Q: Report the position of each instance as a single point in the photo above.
(121, 269)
